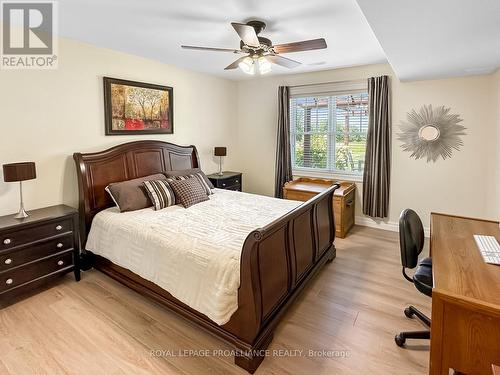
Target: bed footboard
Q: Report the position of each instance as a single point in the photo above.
(276, 262)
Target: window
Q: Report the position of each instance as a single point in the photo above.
(328, 132)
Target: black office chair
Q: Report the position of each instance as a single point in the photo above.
(411, 241)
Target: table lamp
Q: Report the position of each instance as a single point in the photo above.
(19, 172)
(220, 152)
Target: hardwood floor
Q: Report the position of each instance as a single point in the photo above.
(353, 307)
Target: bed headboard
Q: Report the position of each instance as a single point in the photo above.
(124, 162)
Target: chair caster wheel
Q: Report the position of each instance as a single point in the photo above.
(400, 340)
(409, 313)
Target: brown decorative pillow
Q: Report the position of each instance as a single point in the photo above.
(131, 195)
(189, 172)
(188, 192)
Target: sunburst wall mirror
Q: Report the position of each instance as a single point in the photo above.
(431, 133)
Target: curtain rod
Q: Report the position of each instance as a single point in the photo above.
(331, 82)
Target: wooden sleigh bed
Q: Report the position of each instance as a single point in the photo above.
(277, 261)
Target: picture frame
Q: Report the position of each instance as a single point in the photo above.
(133, 108)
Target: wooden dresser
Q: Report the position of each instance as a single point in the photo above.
(302, 189)
(37, 248)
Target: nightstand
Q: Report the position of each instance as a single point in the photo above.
(38, 248)
(228, 180)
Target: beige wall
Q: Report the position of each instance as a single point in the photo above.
(459, 185)
(48, 115)
(45, 116)
(495, 192)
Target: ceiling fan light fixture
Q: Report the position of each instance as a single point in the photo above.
(247, 65)
(265, 65)
(261, 52)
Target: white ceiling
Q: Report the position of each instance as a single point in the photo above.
(156, 29)
(421, 39)
(437, 38)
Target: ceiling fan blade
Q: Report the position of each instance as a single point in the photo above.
(234, 64)
(283, 61)
(247, 34)
(305, 45)
(212, 49)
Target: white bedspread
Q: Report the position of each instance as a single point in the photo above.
(192, 253)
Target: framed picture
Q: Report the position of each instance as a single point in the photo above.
(137, 108)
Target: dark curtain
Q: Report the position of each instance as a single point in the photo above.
(283, 156)
(377, 170)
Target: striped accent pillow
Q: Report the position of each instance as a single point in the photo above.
(160, 193)
(199, 178)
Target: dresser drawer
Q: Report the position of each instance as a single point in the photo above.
(18, 276)
(26, 235)
(234, 187)
(17, 257)
(230, 181)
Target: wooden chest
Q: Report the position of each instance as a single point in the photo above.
(302, 189)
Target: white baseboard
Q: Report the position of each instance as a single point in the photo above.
(380, 224)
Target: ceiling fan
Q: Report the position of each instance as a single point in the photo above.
(260, 53)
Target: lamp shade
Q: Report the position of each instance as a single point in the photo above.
(19, 171)
(220, 151)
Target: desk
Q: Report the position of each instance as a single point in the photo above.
(465, 333)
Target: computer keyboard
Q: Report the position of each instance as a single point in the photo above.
(489, 248)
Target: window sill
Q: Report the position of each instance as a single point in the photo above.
(328, 175)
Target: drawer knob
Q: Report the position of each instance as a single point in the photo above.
(8, 261)
(223, 184)
(60, 263)
(237, 181)
(7, 241)
(59, 227)
(9, 281)
(59, 245)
